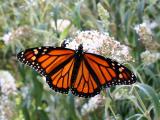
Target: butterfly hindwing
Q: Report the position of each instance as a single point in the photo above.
(85, 83)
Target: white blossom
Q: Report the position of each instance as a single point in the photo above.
(101, 43)
(146, 37)
(150, 57)
(8, 87)
(6, 37)
(143, 28)
(93, 104)
(7, 83)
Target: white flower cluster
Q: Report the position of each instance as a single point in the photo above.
(145, 34)
(6, 37)
(149, 57)
(93, 104)
(142, 29)
(101, 43)
(91, 40)
(8, 87)
(7, 83)
(19, 33)
(151, 54)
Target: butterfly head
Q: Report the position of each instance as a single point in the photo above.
(79, 51)
(80, 48)
(64, 43)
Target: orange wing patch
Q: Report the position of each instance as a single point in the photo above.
(60, 52)
(56, 62)
(48, 61)
(101, 68)
(42, 58)
(106, 73)
(97, 60)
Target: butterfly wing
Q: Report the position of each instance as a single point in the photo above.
(93, 72)
(85, 83)
(56, 64)
(96, 72)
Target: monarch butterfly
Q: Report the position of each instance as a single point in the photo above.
(84, 74)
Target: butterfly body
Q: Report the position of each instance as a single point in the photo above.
(85, 74)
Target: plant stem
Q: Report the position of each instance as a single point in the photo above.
(112, 112)
(145, 112)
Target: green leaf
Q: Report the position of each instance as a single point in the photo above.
(149, 91)
(26, 113)
(140, 9)
(64, 34)
(37, 90)
(133, 117)
(42, 115)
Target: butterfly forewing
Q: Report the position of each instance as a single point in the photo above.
(109, 72)
(54, 63)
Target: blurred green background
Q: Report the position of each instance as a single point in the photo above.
(24, 95)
